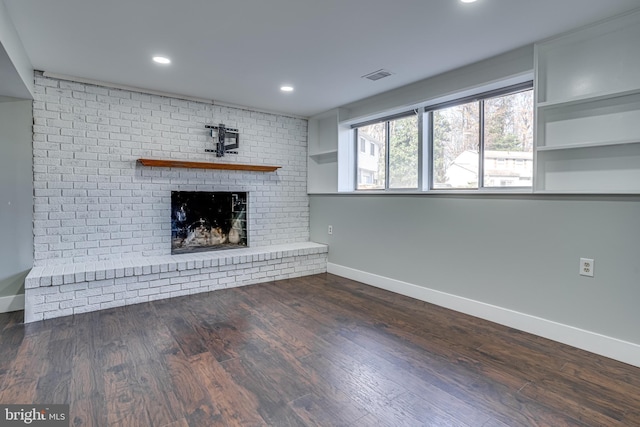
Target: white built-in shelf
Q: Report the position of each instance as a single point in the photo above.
(325, 156)
(588, 110)
(588, 145)
(569, 102)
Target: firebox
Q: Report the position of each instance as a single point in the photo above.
(208, 221)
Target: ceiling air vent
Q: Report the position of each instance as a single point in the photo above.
(377, 75)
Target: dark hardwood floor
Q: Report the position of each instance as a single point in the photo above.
(319, 350)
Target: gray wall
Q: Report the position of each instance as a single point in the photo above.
(16, 195)
(15, 67)
(516, 252)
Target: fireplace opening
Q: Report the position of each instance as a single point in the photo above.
(208, 221)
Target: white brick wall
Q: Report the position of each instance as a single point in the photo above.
(94, 203)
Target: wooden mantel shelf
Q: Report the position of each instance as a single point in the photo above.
(206, 165)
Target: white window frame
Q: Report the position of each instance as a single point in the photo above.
(425, 144)
(386, 120)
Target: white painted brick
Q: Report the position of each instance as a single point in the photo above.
(57, 313)
(86, 308)
(273, 274)
(227, 268)
(171, 288)
(259, 275)
(194, 285)
(214, 286)
(46, 307)
(74, 287)
(79, 302)
(159, 283)
(117, 290)
(137, 300)
(50, 290)
(179, 293)
(189, 273)
(156, 297)
(226, 280)
(199, 277)
(31, 316)
(99, 299)
(88, 293)
(111, 304)
(149, 291)
(34, 300)
(138, 285)
(169, 274)
(125, 280)
(181, 279)
(99, 284)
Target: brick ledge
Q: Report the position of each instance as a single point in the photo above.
(67, 274)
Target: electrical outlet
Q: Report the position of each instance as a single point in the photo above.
(330, 229)
(586, 267)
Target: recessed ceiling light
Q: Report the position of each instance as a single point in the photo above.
(468, 1)
(161, 60)
(286, 88)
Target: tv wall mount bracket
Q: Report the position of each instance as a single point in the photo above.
(227, 140)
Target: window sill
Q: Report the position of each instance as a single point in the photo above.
(436, 192)
(479, 193)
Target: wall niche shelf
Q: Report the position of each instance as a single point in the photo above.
(325, 156)
(589, 144)
(583, 99)
(206, 165)
(587, 93)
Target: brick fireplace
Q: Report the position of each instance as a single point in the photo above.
(98, 213)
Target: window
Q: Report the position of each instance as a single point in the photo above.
(403, 152)
(456, 146)
(371, 169)
(392, 162)
(480, 142)
(484, 143)
(508, 136)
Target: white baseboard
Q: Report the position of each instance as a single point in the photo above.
(11, 303)
(613, 348)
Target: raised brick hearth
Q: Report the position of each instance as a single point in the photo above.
(62, 290)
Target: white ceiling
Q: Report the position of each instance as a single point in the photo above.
(242, 51)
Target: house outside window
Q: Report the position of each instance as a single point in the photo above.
(484, 143)
(393, 155)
